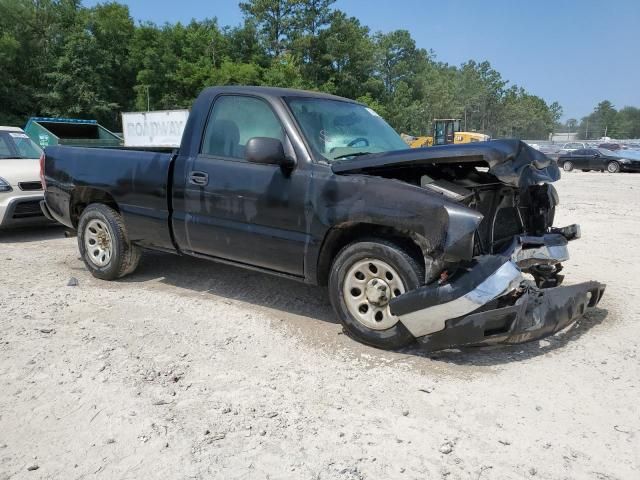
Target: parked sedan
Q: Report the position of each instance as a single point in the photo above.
(588, 159)
(572, 146)
(20, 187)
(614, 147)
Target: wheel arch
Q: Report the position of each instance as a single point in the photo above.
(618, 166)
(82, 197)
(342, 235)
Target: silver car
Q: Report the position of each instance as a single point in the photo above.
(20, 187)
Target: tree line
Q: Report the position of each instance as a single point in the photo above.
(60, 58)
(606, 121)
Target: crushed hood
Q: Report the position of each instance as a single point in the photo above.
(512, 162)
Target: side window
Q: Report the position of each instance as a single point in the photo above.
(580, 152)
(236, 119)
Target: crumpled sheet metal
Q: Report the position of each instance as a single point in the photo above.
(536, 314)
(512, 162)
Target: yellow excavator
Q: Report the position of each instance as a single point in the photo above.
(445, 132)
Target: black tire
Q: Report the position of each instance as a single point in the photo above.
(409, 270)
(567, 166)
(613, 167)
(124, 257)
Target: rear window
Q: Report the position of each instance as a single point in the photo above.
(18, 145)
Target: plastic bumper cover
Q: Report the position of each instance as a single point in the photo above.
(493, 303)
(22, 211)
(536, 314)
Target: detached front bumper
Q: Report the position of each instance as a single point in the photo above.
(493, 303)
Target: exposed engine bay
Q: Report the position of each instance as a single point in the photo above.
(486, 298)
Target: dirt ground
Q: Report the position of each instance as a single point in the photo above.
(189, 370)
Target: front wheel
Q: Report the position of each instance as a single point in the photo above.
(104, 244)
(567, 166)
(364, 277)
(613, 167)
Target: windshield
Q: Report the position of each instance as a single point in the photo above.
(337, 129)
(17, 145)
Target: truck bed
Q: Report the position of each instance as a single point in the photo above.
(136, 180)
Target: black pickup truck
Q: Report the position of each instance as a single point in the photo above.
(430, 244)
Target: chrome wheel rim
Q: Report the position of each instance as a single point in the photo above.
(98, 242)
(567, 166)
(612, 167)
(368, 287)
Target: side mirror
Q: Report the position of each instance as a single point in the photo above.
(596, 155)
(268, 151)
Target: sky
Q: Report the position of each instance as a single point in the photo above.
(576, 52)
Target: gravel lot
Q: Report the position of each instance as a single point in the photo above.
(188, 369)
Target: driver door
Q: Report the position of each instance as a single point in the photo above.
(240, 211)
(595, 160)
(579, 158)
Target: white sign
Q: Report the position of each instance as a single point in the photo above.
(154, 129)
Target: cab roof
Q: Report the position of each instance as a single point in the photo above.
(274, 92)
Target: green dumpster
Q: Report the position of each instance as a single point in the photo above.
(71, 132)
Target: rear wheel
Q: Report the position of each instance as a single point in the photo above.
(364, 277)
(567, 166)
(104, 244)
(613, 167)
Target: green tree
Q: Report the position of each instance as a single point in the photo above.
(481, 92)
(92, 75)
(75, 82)
(200, 48)
(284, 71)
(524, 116)
(311, 16)
(629, 122)
(276, 21)
(397, 59)
(602, 122)
(61, 58)
(153, 54)
(31, 40)
(345, 60)
(243, 44)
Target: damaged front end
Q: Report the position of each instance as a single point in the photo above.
(500, 210)
(491, 301)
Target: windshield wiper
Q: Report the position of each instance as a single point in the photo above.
(353, 154)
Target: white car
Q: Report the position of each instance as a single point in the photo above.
(20, 187)
(572, 147)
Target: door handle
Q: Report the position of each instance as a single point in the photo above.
(198, 178)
